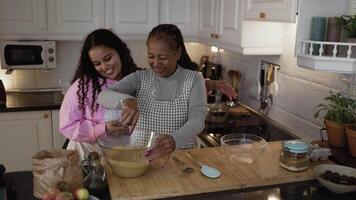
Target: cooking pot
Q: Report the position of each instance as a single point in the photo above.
(217, 112)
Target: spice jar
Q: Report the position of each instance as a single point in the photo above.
(294, 155)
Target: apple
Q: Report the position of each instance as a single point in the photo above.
(65, 196)
(51, 194)
(81, 193)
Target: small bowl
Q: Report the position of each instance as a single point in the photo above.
(125, 153)
(217, 112)
(247, 147)
(335, 187)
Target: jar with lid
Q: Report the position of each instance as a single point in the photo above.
(95, 180)
(294, 155)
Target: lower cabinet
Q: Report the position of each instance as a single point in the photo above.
(23, 134)
(58, 138)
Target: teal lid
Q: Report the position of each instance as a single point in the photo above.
(296, 146)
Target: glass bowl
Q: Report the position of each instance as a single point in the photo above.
(246, 147)
(125, 153)
(217, 112)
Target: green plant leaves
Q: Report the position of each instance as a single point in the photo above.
(340, 109)
(348, 23)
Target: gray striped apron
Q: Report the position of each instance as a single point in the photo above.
(163, 117)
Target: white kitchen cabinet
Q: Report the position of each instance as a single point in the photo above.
(22, 17)
(50, 19)
(183, 13)
(341, 60)
(58, 138)
(23, 134)
(74, 19)
(133, 18)
(271, 10)
(221, 24)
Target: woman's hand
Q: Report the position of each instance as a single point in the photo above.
(129, 114)
(164, 145)
(222, 86)
(116, 128)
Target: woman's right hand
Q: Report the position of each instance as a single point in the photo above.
(116, 128)
(129, 114)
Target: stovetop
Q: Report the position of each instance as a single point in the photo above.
(253, 123)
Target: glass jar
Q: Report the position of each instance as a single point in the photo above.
(95, 180)
(294, 155)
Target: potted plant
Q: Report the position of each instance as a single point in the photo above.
(351, 136)
(340, 111)
(348, 24)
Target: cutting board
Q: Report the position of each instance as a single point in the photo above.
(169, 181)
(239, 110)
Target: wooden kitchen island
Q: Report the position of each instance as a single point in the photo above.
(170, 181)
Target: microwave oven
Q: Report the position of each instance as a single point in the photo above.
(28, 55)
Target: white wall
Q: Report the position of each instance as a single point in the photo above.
(68, 53)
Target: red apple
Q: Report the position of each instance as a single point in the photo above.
(51, 194)
(65, 196)
(81, 194)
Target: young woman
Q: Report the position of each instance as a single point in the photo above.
(104, 59)
(169, 98)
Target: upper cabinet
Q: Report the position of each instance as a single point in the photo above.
(74, 18)
(270, 10)
(22, 16)
(134, 18)
(50, 19)
(221, 24)
(337, 57)
(183, 13)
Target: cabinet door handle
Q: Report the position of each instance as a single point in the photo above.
(216, 36)
(45, 116)
(263, 15)
(212, 35)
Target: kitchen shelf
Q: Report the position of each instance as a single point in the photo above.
(342, 59)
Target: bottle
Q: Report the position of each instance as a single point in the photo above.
(95, 180)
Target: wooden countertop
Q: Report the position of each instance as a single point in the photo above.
(171, 182)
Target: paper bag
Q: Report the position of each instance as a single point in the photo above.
(58, 168)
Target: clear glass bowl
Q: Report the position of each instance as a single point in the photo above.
(125, 153)
(246, 147)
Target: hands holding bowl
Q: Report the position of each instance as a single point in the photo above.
(160, 146)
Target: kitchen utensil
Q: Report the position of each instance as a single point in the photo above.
(205, 169)
(274, 84)
(247, 147)
(234, 78)
(341, 170)
(125, 153)
(185, 168)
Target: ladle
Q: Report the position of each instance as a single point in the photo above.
(205, 169)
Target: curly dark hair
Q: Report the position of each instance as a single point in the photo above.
(86, 71)
(173, 36)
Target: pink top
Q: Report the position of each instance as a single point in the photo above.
(72, 123)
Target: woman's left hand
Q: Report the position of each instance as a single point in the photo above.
(129, 114)
(163, 147)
